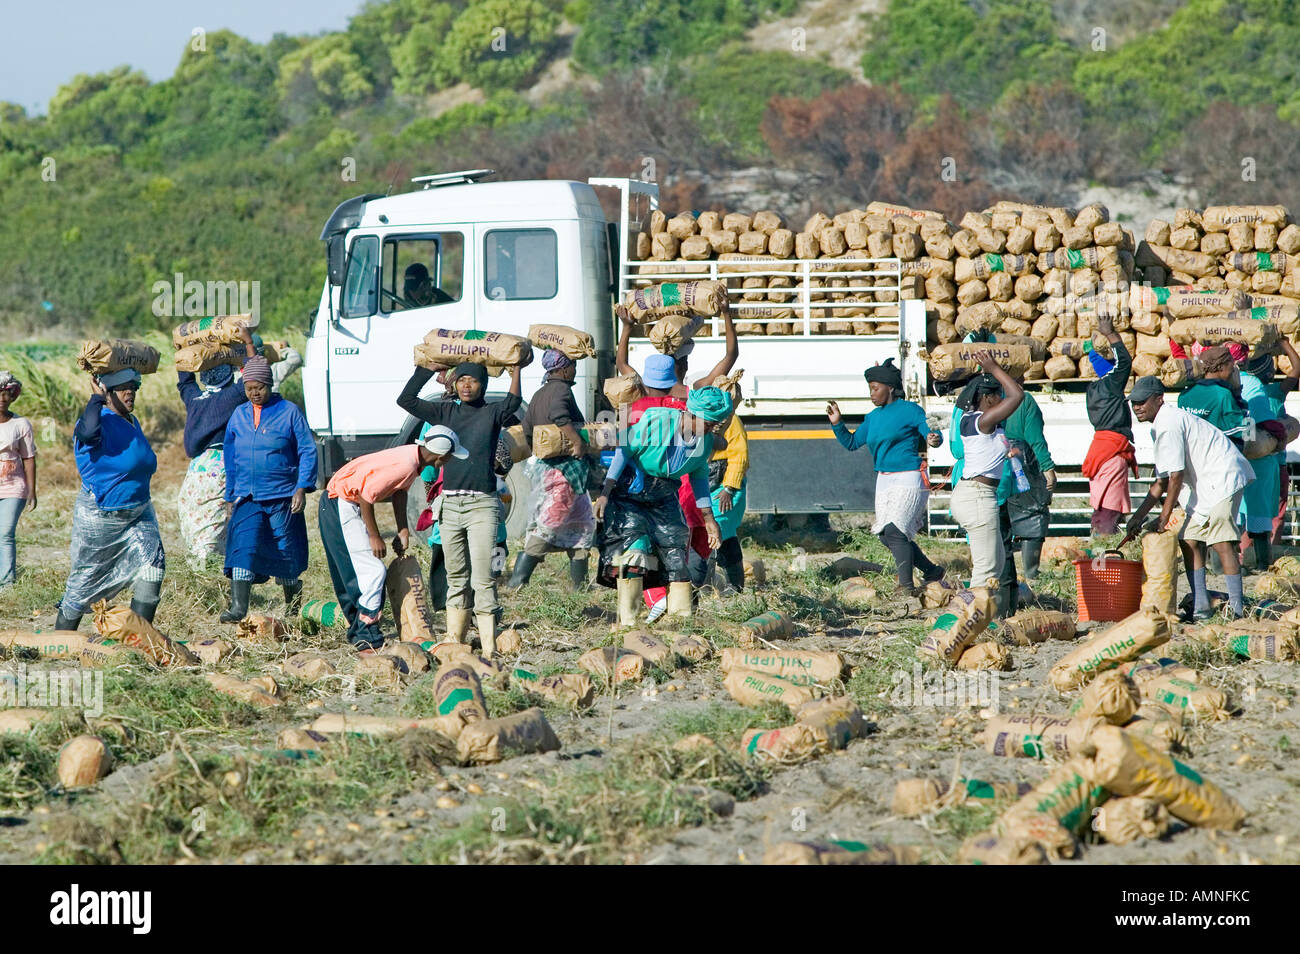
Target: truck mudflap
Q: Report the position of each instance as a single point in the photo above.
(797, 466)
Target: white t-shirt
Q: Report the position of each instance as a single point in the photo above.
(1213, 469)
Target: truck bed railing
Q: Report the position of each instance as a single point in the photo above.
(866, 279)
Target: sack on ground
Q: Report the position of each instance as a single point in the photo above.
(756, 689)
(262, 627)
(920, 796)
(967, 614)
(243, 691)
(118, 623)
(1124, 820)
(1125, 641)
(803, 667)
(1188, 698)
(652, 650)
(1112, 697)
(572, 689)
(83, 761)
(839, 853)
(612, 662)
(491, 740)
(1036, 736)
(1035, 626)
(458, 692)
(992, 657)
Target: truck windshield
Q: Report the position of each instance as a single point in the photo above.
(422, 270)
(359, 285)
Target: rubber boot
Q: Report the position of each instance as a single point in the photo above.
(239, 593)
(680, 599)
(292, 598)
(457, 624)
(487, 632)
(578, 574)
(67, 624)
(629, 599)
(524, 566)
(144, 610)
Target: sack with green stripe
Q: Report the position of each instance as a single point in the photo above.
(824, 726)
(920, 796)
(1182, 696)
(446, 348)
(1286, 317)
(1125, 641)
(839, 853)
(1036, 736)
(1058, 808)
(1199, 304)
(222, 330)
(703, 299)
(457, 691)
(1125, 765)
(323, 612)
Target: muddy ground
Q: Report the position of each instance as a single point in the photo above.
(618, 791)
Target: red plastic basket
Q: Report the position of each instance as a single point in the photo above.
(1108, 588)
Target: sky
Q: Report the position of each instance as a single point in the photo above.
(49, 43)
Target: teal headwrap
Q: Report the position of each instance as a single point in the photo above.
(709, 404)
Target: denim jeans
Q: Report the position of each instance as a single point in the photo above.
(10, 508)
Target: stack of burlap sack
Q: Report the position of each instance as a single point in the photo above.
(206, 343)
(840, 304)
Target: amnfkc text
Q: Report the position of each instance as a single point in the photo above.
(1156, 897)
(102, 907)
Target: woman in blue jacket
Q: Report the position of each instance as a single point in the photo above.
(115, 540)
(894, 433)
(270, 468)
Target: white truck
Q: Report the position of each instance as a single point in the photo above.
(501, 256)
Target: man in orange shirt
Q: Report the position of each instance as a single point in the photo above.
(354, 548)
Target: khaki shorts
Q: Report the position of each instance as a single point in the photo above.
(1220, 528)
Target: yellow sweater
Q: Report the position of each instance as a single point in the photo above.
(736, 454)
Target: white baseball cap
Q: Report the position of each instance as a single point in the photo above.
(441, 441)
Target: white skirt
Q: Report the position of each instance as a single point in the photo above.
(901, 499)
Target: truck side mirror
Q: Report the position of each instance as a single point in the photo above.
(335, 258)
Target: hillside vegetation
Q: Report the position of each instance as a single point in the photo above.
(226, 170)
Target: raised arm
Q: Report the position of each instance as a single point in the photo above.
(729, 357)
(624, 337)
(1011, 389)
(410, 401)
(1292, 381)
(511, 403)
(88, 428)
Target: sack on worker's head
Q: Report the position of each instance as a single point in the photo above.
(100, 356)
(1125, 765)
(1112, 697)
(491, 740)
(1035, 626)
(957, 361)
(1125, 641)
(670, 333)
(703, 299)
(966, 615)
(623, 389)
(574, 344)
(448, 348)
(221, 330)
(205, 356)
(120, 624)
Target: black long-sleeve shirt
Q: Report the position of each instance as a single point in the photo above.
(1108, 409)
(477, 426)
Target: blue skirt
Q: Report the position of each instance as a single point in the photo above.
(266, 538)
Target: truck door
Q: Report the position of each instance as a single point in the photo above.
(397, 287)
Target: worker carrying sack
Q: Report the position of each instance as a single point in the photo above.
(106, 356)
(446, 348)
(702, 299)
(224, 329)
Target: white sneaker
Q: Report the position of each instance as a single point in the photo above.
(657, 610)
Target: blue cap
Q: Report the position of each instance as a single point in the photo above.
(660, 371)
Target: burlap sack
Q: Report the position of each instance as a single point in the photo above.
(458, 692)
(681, 225)
(121, 625)
(205, 356)
(991, 240)
(1125, 765)
(382, 672)
(786, 746)
(104, 357)
(1112, 697)
(737, 222)
(990, 315)
(670, 333)
(1125, 641)
(612, 662)
(752, 243)
(99, 652)
(966, 615)
(1035, 626)
(249, 692)
(491, 740)
(1215, 243)
(806, 246)
(1158, 727)
(990, 849)
(1185, 239)
(301, 740)
(1196, 264)
(703, 299)
(550, 442)
(222, 330)
(642, 246)
(447, 348)
(955, 362)
(839, 853)
(210, 651)
(938, 593)
(571, 689)
(652, 650)
(1073, 259)
(571, 342)
(802, 667)
(55, 644)
(692, 648)
(965, 243)
(1180, 695)
(322, 612)
(1177, 373)
(83, 761)
(1191, 303)
(1160, 553)
(991, 657)
(1260, 336)
(764, 627)
(1271, 647)
(1067, 795)
(768, 221)
(309, 667)
(458, 654)
(1124, 820)
(622, 389)
(920, 796)
(1219, 218)
(1036, 736)
(721, 241)
(1147, 364)
(410, 654)
(756, 689)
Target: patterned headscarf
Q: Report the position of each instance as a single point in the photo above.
(11, 384)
